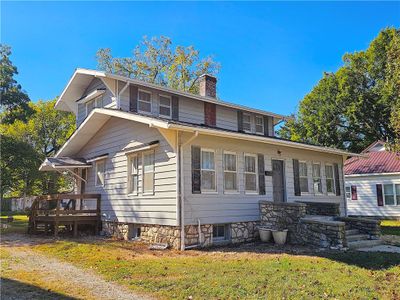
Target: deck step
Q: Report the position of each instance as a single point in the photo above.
(352, 231)
(357, 237)
(363, 244)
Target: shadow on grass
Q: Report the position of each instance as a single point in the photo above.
(13, 289)
(366, 260)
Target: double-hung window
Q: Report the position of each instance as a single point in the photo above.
(259, 120)
(148, 172)
(133, 174)
(250, 173)
(303, 177)
(330, 179)
(246, 122)
(100, 170)
(230, 172)
(165, 106)
(317, 183)
(144, 101)
(391, 194)
(348, 192)
(208, 178)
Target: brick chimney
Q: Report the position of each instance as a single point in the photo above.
(208, 86)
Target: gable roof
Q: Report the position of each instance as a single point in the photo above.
(99, 116)
(81, 78)
(375, 162)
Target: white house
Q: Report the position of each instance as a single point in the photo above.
(191, 168)
(373, 183)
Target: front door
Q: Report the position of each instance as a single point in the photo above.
(278, 182)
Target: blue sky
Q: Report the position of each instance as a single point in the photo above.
(271, 53)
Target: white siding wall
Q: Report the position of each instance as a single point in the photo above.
(367, 204)
(114, 136)
(225, 208)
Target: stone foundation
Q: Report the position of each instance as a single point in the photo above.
(171, 235)
(321, 208)
(244, 232)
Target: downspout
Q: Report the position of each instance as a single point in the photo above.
(182, 189)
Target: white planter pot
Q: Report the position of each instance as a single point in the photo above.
(280, 236)
(265, 234)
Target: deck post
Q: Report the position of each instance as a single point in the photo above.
(56, 218)
(98, 209)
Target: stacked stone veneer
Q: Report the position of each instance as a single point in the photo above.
(302, 230)
(364, 225)
(244, 232)
(321, 208)
(171, 235)
(321, 233)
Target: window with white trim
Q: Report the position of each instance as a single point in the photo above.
(317, 183)
(246, 122)
(230, 172)
(100, 170)
(259, 120)
(144, 101)
(348, 192)
(133, 174)
(250, 173)
(330, 179)
(165, 106)
(391, 194)
(148, 172)
(303, 177)
(208, 178)
(92, 104)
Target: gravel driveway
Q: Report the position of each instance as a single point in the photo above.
(82, 284)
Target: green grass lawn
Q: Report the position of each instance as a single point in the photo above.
(230, 274)
(391, 227)
(19, 225)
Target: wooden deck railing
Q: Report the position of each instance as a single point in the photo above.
(48, 212)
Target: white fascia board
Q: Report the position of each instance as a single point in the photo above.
(373, 174)
(97, 158)
(263, 139)
(105, 114)
(183, 94)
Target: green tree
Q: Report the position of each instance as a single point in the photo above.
(14, 102)
(156, 61)
(42, 135)
(352, 107)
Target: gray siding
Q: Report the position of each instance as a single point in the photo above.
(366, 204)
(95, 84)
(239, 207)
(112, 138)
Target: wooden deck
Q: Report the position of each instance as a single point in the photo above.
(50, 212)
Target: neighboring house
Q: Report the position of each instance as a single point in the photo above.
(168, 163)
(373, 183)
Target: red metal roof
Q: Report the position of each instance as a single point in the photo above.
(377, 162)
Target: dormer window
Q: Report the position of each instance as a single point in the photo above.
(96, 102)
(259, 124)
(247, 122)
(165, 106)
(144, 101)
